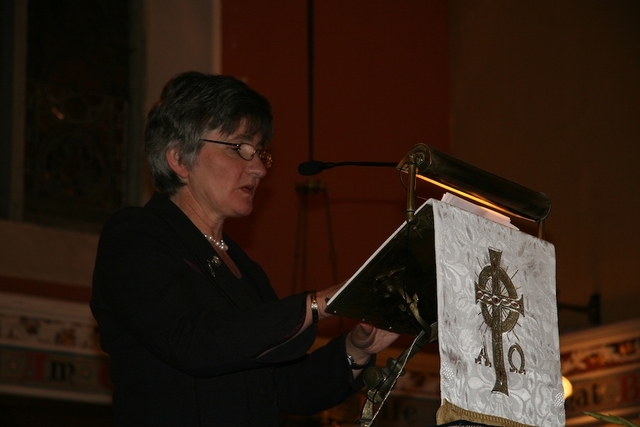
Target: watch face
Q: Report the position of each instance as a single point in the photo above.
(354, 365)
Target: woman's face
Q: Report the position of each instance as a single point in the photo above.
(221, 182)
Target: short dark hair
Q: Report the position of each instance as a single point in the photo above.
(192, 104)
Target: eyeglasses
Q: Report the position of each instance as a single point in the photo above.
(247, 151)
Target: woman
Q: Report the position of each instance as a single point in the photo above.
(196, 334)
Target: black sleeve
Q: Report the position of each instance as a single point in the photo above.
(148, 290)
(319, 381)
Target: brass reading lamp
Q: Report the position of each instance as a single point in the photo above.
(470, 182)
(400, 279)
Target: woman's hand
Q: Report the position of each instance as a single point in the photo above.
(365, 340)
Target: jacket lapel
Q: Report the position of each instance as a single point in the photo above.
(195, 243)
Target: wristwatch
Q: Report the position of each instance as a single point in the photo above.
(354, 365)
(314, 307)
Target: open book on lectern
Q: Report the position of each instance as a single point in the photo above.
(395, 288)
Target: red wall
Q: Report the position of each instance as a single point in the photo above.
(381, 86)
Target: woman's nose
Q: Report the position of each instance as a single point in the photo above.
(257, 167)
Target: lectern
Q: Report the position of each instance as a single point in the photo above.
(456, 272)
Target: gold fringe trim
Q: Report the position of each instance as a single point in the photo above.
(448, 412)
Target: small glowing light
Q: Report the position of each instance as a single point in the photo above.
(463, 193)
(567, 387)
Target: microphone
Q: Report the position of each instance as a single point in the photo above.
(314, 167)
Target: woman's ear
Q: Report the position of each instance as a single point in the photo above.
(175, 163)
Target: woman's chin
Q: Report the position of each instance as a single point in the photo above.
(243, 211)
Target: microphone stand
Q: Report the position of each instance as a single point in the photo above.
(411, 162)
(330, 165)
(314, 167)
(381, 381)
(411, 187)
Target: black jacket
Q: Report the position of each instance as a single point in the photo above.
(192, 345)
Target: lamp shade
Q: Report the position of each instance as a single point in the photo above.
(474, 183)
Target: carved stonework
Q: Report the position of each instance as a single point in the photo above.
(50, 348)
(603, 365)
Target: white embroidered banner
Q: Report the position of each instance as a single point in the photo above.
(497, 320)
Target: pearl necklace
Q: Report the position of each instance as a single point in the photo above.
(220, 244)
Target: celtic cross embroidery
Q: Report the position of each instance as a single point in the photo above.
(501, 309)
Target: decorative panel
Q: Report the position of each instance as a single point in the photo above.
(50, 348)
